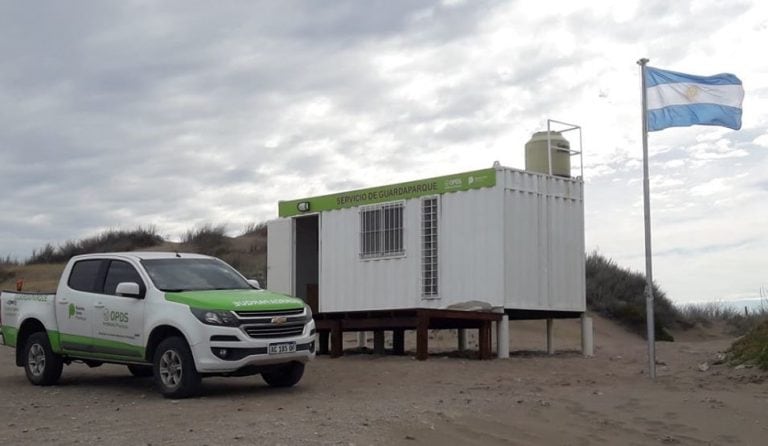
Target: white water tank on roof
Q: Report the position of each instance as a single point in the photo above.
(537, 160)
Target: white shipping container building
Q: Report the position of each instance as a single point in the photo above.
(503, 240)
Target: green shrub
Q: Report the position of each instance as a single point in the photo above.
(259, 229)
(5, 273)
(208, 239)
(108, 241)
(619, 294)
(752, 348)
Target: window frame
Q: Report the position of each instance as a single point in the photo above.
(388, 231)
(140, 282)
(430, 243)
(100, 278)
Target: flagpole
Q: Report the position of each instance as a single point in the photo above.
(647, 212)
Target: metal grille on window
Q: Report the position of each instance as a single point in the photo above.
(381, 230)
(429, 247)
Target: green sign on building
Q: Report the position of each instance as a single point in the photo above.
(393, 192)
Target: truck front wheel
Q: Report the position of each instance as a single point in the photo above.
(285, 375)
(42, 366)
(174, 369)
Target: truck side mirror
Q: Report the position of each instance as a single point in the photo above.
(128, 289)
(254, 283)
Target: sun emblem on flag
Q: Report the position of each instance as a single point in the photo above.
(691, 92)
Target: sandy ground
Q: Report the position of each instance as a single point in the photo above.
(361, 399)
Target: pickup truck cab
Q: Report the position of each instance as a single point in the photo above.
(177, 317)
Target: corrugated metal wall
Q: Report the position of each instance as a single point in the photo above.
(349, 283)
(471, 250)
(544, 242)
(469, 257)
(519, 244)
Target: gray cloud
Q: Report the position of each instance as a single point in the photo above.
(181, 113)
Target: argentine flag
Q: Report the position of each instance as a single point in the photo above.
(682, 100)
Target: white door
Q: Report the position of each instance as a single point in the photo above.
(119, 320)
(74, 306)
(280, 251)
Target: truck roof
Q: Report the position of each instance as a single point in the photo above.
(143, 255)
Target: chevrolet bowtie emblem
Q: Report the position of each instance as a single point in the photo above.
(279, 320)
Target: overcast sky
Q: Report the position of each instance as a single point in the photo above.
(177, 114)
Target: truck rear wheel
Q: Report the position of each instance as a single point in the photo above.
(174, 369)
(285, 375)
(42, 366)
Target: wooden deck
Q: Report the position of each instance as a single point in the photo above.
(331, 326)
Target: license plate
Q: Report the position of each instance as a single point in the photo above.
(282, 347)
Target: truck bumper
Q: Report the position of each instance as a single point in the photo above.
(217, 356)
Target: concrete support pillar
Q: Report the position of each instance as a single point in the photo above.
(462, 339)
(550, 336)
(587, 342)
(502, 337)
(361, 339)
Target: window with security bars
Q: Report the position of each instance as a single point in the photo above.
(429, 247)
(381, 230)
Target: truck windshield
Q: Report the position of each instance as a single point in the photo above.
(193, 274)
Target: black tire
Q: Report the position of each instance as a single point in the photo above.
(42, 366)
(141, 371)
(285, 375)
(174, 369)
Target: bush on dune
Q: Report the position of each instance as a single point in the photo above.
(752, 348)
(108, 241)
(619, 294)
(207, 239)
(5, 273)
(738, 322)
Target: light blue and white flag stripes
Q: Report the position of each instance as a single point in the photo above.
(682, 100)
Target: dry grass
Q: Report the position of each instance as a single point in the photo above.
(41, 277)
(752, 348)
(738, 322)
(618, 294)
(247, 253)
(107, 241)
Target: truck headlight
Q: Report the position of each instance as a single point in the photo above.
(213, 317)
(309, 313)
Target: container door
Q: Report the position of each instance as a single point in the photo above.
(280, 251)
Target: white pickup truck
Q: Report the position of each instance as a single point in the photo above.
(177, 317)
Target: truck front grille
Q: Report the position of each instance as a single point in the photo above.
(273, 331)
(253, 314)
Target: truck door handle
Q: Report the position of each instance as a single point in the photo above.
(98, 305)
(11, 301)
(62, 301)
